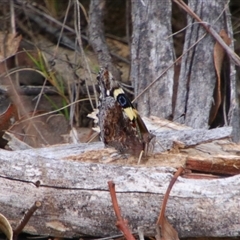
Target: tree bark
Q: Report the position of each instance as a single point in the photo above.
(151, 53)
(197, 80)
(97, 36)
(234, 112)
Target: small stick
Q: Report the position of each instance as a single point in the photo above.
(25, 219)
(121, 223)
(166, 196)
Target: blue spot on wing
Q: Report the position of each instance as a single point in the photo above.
(123, 101)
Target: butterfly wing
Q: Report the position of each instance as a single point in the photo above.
(120, 124)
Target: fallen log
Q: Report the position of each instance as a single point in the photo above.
(76, 202)
(70, 181)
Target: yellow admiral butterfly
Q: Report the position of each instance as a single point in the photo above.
(120, 125)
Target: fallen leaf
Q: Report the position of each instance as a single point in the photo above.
(9, 44)
(218, 57)
(5, 227)
(166, 231)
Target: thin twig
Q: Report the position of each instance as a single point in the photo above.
(61, 32)
(121, 223)
(86, 65)
(25, 219)
(166, 196)
(13, 23)
(39, 97)
(55, 111)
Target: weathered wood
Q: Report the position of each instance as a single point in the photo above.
(215, 165)
(191, 137)
(74, 194)
(71, 182)
(151, 54)
(234, 112)
(167, 133)
(197, 78)
(218, 157)
(97, 36)
(75, 198)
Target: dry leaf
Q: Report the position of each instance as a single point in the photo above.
(166, 231)
(8, 117)
(5, 227)
(9, 44)
(218, 56)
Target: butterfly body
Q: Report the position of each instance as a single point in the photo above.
(121, 126)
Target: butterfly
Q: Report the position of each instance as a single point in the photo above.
(120, 124)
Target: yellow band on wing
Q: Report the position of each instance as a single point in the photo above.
(130, 113)
(117, 91)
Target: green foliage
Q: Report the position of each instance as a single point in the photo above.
(42, 66)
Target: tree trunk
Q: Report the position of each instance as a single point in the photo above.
(197, 80)
(97, 36)
(151, 53)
